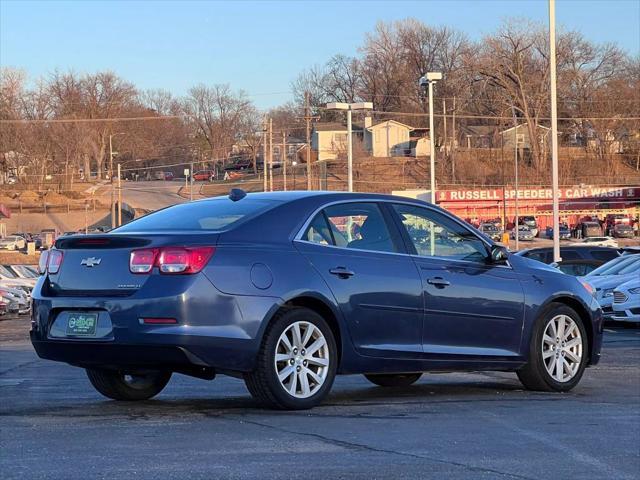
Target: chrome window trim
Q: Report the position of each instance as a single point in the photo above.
(305, 226)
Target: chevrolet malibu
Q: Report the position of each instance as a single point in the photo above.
(288, 289)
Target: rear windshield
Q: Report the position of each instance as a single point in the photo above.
(208, 215)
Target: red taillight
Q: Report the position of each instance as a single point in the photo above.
(142, 261)
(159, 321)
(183, 260)
(170, 260)
(42, 263)
(55, 260)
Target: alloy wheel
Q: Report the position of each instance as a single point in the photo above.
(302, 359)
(562, 348)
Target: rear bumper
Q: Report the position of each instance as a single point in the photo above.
(214, 330)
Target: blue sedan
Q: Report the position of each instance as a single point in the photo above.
(288, 289)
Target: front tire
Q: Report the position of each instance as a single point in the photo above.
(119, 385)
(296, 363)
(558, 351)
(393, 379)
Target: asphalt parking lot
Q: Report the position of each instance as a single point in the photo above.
(468, 426)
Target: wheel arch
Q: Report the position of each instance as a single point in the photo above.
(325, 309)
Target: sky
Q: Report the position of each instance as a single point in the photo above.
(257, 46)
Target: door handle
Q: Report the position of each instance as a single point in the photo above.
(342, 272)
(438, 282)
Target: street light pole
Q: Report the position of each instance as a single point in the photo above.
(432, 141)
(428, 80)
(515, 153)
(293, 168)
(349, 107)
(554, 132)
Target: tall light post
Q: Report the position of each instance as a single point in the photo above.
(293, 168)
(515, 160)
(350, 107)
(554, 132)
(429, 80)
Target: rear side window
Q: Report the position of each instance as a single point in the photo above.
(208, 215)
(570, 255)
(358, 226)
(539, 256)
(318, 231)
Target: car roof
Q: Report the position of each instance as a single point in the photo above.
(323, 195)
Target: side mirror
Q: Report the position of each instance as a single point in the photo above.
(498, 254)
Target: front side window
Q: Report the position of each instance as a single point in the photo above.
(358, 226)
(435, 235)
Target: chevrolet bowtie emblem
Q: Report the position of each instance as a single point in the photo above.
(90, 262)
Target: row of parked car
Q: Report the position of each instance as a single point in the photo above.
(18, 241)
(613, 275)
(16, 285)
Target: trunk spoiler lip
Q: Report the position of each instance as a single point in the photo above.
(134, 241)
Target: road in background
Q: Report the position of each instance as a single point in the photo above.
(454, 426)
(150, 195)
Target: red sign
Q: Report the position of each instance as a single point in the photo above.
(542, 193)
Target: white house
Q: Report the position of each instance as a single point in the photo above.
(330, 139)
(387, 139)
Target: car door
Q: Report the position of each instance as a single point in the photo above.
(472, 307)
(358, 251)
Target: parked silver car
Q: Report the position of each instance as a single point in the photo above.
(606, 278)
(626, 302)
(524, 233)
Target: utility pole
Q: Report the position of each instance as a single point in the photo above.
(444, 117)
(283, 159)
(113, 200)
(119, 196)
(554, 132)
(307, 118)
(350, 151)
(264, 153)
(271, 155)
(453, 143)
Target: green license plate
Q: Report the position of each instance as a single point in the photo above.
(82, 324)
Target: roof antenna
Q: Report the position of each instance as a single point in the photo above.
(237, 194)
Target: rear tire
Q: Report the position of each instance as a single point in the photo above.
(297, 361)
(557, 359)
(393, 379)
(119, 385)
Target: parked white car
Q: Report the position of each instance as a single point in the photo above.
(23, 271)
(10, 279)
(15, 300)
(12, 242)
(626, 302)
(598, 242)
